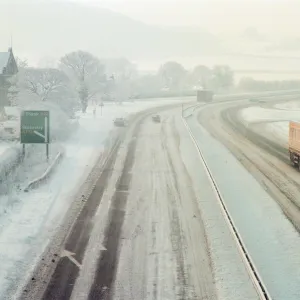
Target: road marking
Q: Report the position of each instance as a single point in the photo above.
(69, 254)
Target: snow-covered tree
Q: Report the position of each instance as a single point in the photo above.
(15, 82)
(172, 74)
(13, 90)
(22, 63)
(44, 82)
(120, 68)
(201, 76)
(222, 76)
(87, 72)
(122, 74)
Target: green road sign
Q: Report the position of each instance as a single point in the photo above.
(35, 127)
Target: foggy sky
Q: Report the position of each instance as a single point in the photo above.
(46, 32)
(271, 16)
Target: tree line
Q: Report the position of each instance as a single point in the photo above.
(173, 76)
(252, 85)
(81, 78)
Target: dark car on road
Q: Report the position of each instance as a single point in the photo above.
(120, 122)
(156, 118)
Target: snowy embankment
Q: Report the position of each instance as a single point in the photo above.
(275, 121)
(30, 219)
(10, 153)
(46, 175)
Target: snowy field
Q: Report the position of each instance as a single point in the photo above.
(275, 121)
(29, 219)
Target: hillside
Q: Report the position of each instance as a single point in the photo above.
(52, 28)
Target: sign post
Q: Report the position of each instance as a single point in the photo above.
(35, 128)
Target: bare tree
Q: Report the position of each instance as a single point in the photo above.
(122, 74)
(120, 68)
(222, 76)
(201, 75)
(44, 82)
(172, 74)
(21, 63)
(88, 73)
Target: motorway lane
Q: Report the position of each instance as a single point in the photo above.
(146, 240)
(164, 253)
(155, 238)
(267, 161)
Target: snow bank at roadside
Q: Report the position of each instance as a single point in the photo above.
(274, 121)
(10, 156)
(31, 218)
(290, 105)
(257, 114)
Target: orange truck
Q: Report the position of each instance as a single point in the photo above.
(294, 143)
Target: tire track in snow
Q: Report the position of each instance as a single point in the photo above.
(65, 274)
(199, 284)
(108, 262)
(154, 228)
(176, 231)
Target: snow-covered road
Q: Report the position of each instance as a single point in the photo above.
(163, 252)
(159, 232)
(259, 199)
(30, 219)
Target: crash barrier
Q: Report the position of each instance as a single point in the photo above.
(188, 111)
(42, 179)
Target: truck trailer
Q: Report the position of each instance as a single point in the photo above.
(294, 143)
(204, 96)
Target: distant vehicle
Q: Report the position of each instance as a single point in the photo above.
(294, 143)
(120, 122)
(204, 96)
(156, 118)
